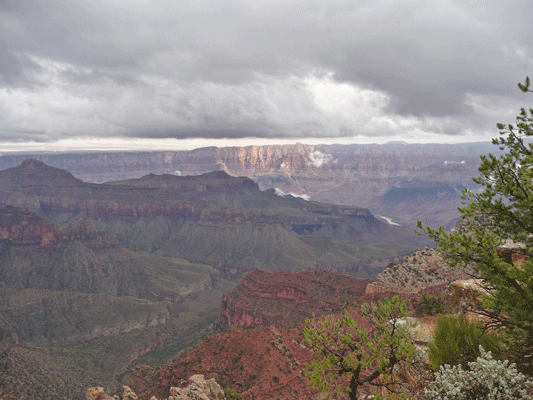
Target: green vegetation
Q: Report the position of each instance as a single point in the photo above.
(486, 379)
(231, 395)
(456, 341)
(502, 210)
(432, 304)
(344, 348)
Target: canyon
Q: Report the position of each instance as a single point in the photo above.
(401, 181)
(115, 265)
(97, 278)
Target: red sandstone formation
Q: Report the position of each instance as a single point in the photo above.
(265, 298)
(512, 253)
(21, 227)
(259, 363)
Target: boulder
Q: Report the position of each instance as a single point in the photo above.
(466, 294)
(127, 394)
(198, 389)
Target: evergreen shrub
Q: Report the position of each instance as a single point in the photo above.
(431, 304)
(231, 395)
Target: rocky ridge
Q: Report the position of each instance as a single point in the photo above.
(265, 298)
(359, 175)
(417, 272)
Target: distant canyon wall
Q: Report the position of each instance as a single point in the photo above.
(358, 175)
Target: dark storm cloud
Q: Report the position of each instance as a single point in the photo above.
(427, 55)
(262, 68)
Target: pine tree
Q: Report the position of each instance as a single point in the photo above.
(502, 210)
(343, 348)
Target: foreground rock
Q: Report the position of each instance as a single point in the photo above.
(198, 389)
(466, 295)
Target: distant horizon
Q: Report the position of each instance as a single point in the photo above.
(140, 145)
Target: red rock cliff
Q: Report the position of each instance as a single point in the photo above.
(265, 298)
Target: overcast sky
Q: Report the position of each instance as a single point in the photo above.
(130, 71)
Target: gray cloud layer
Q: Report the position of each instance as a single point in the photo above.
(297, 68)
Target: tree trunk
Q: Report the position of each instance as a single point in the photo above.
(353, 388)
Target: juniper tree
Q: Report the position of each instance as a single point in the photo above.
(344, 348)
(501, 210)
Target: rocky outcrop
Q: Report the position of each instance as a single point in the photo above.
(263, 158)
(20, 227)
(417, 272)
(265, 298)
(465, 295)
(512, 253)
(198, 389)
(98, 393)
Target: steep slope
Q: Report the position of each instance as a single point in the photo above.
(262, 362)
(266, 361)
(76, 308)
(36, 253)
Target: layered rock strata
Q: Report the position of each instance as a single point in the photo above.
(265, 298)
